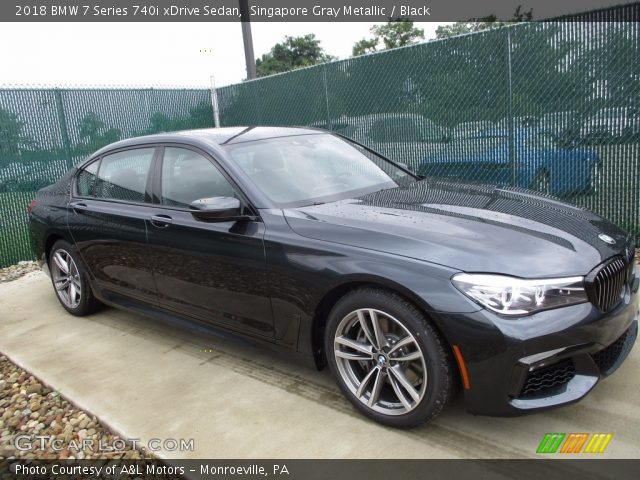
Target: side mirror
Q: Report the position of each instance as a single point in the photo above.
(216, 209)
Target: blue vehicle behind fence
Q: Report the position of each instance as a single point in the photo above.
(538, 162)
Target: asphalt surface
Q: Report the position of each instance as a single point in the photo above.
(147, 379)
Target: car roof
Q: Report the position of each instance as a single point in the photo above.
(216, 136)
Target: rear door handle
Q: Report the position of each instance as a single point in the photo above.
(161, 221)
(79, 207)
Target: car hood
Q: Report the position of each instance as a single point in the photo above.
(474, 228)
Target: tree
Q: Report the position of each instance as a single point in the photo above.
(366, 45)
(393, 34)
(397, 33)
(90, 126)
(200, 116)
(12, 140)
(484, 23)
(160, 122)
(94, 134)
(292, 53)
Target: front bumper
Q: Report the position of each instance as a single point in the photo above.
(521, 365)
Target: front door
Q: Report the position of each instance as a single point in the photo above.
(211, 271)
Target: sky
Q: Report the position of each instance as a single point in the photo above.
(151, 54)
(184, 54)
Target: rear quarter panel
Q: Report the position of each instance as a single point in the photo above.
(49, 216)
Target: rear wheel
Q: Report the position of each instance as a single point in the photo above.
(70, 281)
(387, 359)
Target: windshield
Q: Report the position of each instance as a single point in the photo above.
(310, 169)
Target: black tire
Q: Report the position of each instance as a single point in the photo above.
(85, 302)
(436, 357)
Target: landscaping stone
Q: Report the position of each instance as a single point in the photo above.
(14, 272)
(31, 408)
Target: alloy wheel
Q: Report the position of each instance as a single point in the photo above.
(66, 278)
(380, 361)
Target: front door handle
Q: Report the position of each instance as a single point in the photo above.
(79, 207)
(161, 221)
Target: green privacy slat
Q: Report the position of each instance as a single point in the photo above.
(43, 132)
(553, 106)
(549, 105)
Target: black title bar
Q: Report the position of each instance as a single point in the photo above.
(320, 469)
(291, 10)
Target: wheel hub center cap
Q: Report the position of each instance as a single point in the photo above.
(382, 360)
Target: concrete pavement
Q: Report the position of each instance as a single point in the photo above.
(150, 380)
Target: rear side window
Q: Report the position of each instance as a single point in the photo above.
(87, 180)
(123, 175)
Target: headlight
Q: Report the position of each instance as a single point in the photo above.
(516, 296)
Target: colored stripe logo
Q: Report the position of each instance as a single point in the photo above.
(574, 443)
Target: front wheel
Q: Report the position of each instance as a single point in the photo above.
(70, 281)
(387, 358)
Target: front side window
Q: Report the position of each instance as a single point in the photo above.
(123, 175)
(188, 176)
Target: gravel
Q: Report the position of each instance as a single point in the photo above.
(29, 408)
(14, 272)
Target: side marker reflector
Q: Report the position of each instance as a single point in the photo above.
(463, 368)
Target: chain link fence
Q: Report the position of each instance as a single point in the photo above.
(44, 132)
(552, 106)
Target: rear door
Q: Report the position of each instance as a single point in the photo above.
(213, 271)
(110, 207)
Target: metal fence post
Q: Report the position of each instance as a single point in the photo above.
(214, 103)
(512, 156)
(326, 96)
(64, 131)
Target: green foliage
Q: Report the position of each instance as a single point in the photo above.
(479, 24)
(292, 53)
(393, 34)
(364, 46)
(12, 140)
(160, 122)
(199, 117)
(94, 134)
(397, 33)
